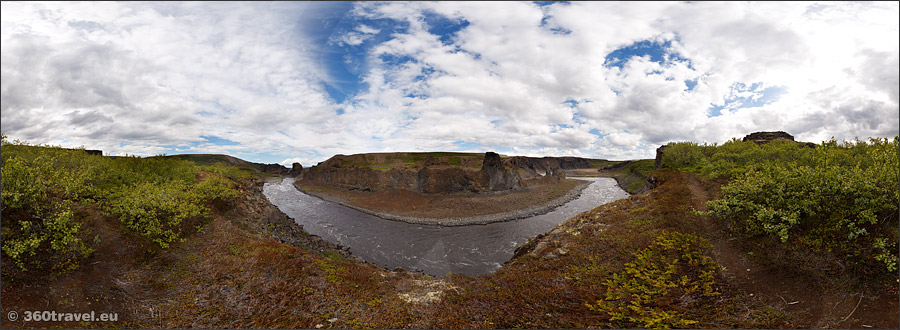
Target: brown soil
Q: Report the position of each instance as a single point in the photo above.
(810, 304)
(443, 206)
(130, 276)
(92, 287)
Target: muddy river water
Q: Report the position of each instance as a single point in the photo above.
(433, 249)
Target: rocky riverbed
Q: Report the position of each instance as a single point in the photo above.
(453, 209)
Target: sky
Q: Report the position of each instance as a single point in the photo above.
(284, 82)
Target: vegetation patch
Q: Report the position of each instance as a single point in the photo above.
(824, 211)
(673, 271)
(158, 198)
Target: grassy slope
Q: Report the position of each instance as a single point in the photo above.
(235, 273)
(385, 161)
(631, 175)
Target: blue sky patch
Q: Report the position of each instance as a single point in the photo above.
(345, 62)
(443, 27)
(547, 3)
(659, 52)
(597, 133)
(751, 96)
(690, 84)
(466, 146)
(216, 140)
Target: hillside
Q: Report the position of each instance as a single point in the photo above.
(669, 257)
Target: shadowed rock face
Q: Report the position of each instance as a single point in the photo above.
(658, 162)
(296, 169)
(764, 137)
(432, 176)
(434, 180)
(545, 165)
(276, 169)
(498, 177)
(436, 175)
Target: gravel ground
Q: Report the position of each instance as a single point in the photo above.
(454, 209)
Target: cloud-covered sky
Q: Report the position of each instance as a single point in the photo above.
(290, 81)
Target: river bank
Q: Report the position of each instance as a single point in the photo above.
(455, 209)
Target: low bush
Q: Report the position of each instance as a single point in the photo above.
(673, 273)
(42, 185)
(837, 199)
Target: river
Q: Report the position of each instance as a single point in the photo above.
(435, 250)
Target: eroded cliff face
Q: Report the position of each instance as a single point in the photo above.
(546, 165)
(499, 175)
(431, 176)
(441, 173)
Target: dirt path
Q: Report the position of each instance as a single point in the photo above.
(809, 304)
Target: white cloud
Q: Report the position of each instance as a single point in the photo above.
(505, 79)
(101, 74)
(517, 77)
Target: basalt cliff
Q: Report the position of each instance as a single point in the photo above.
(439, 172)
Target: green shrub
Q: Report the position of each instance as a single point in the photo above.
(215, 188)
(155, 210)
(38, 191)
(672, 273)
(685, 155)
(41, 185)
(846, 203)
(837, 199)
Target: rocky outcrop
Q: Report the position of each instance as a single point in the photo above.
(766, 137)
(434, 179)
(498, 175)
(659, 152)
(431, 176)
(276, 169)
(543, 165)
(296, 169)
(552, 176)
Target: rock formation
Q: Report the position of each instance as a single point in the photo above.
(296, 169)
(498, 176)
(542, 166)
(276, 169)
(431, 176)
(766, 137)
(658, 162)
